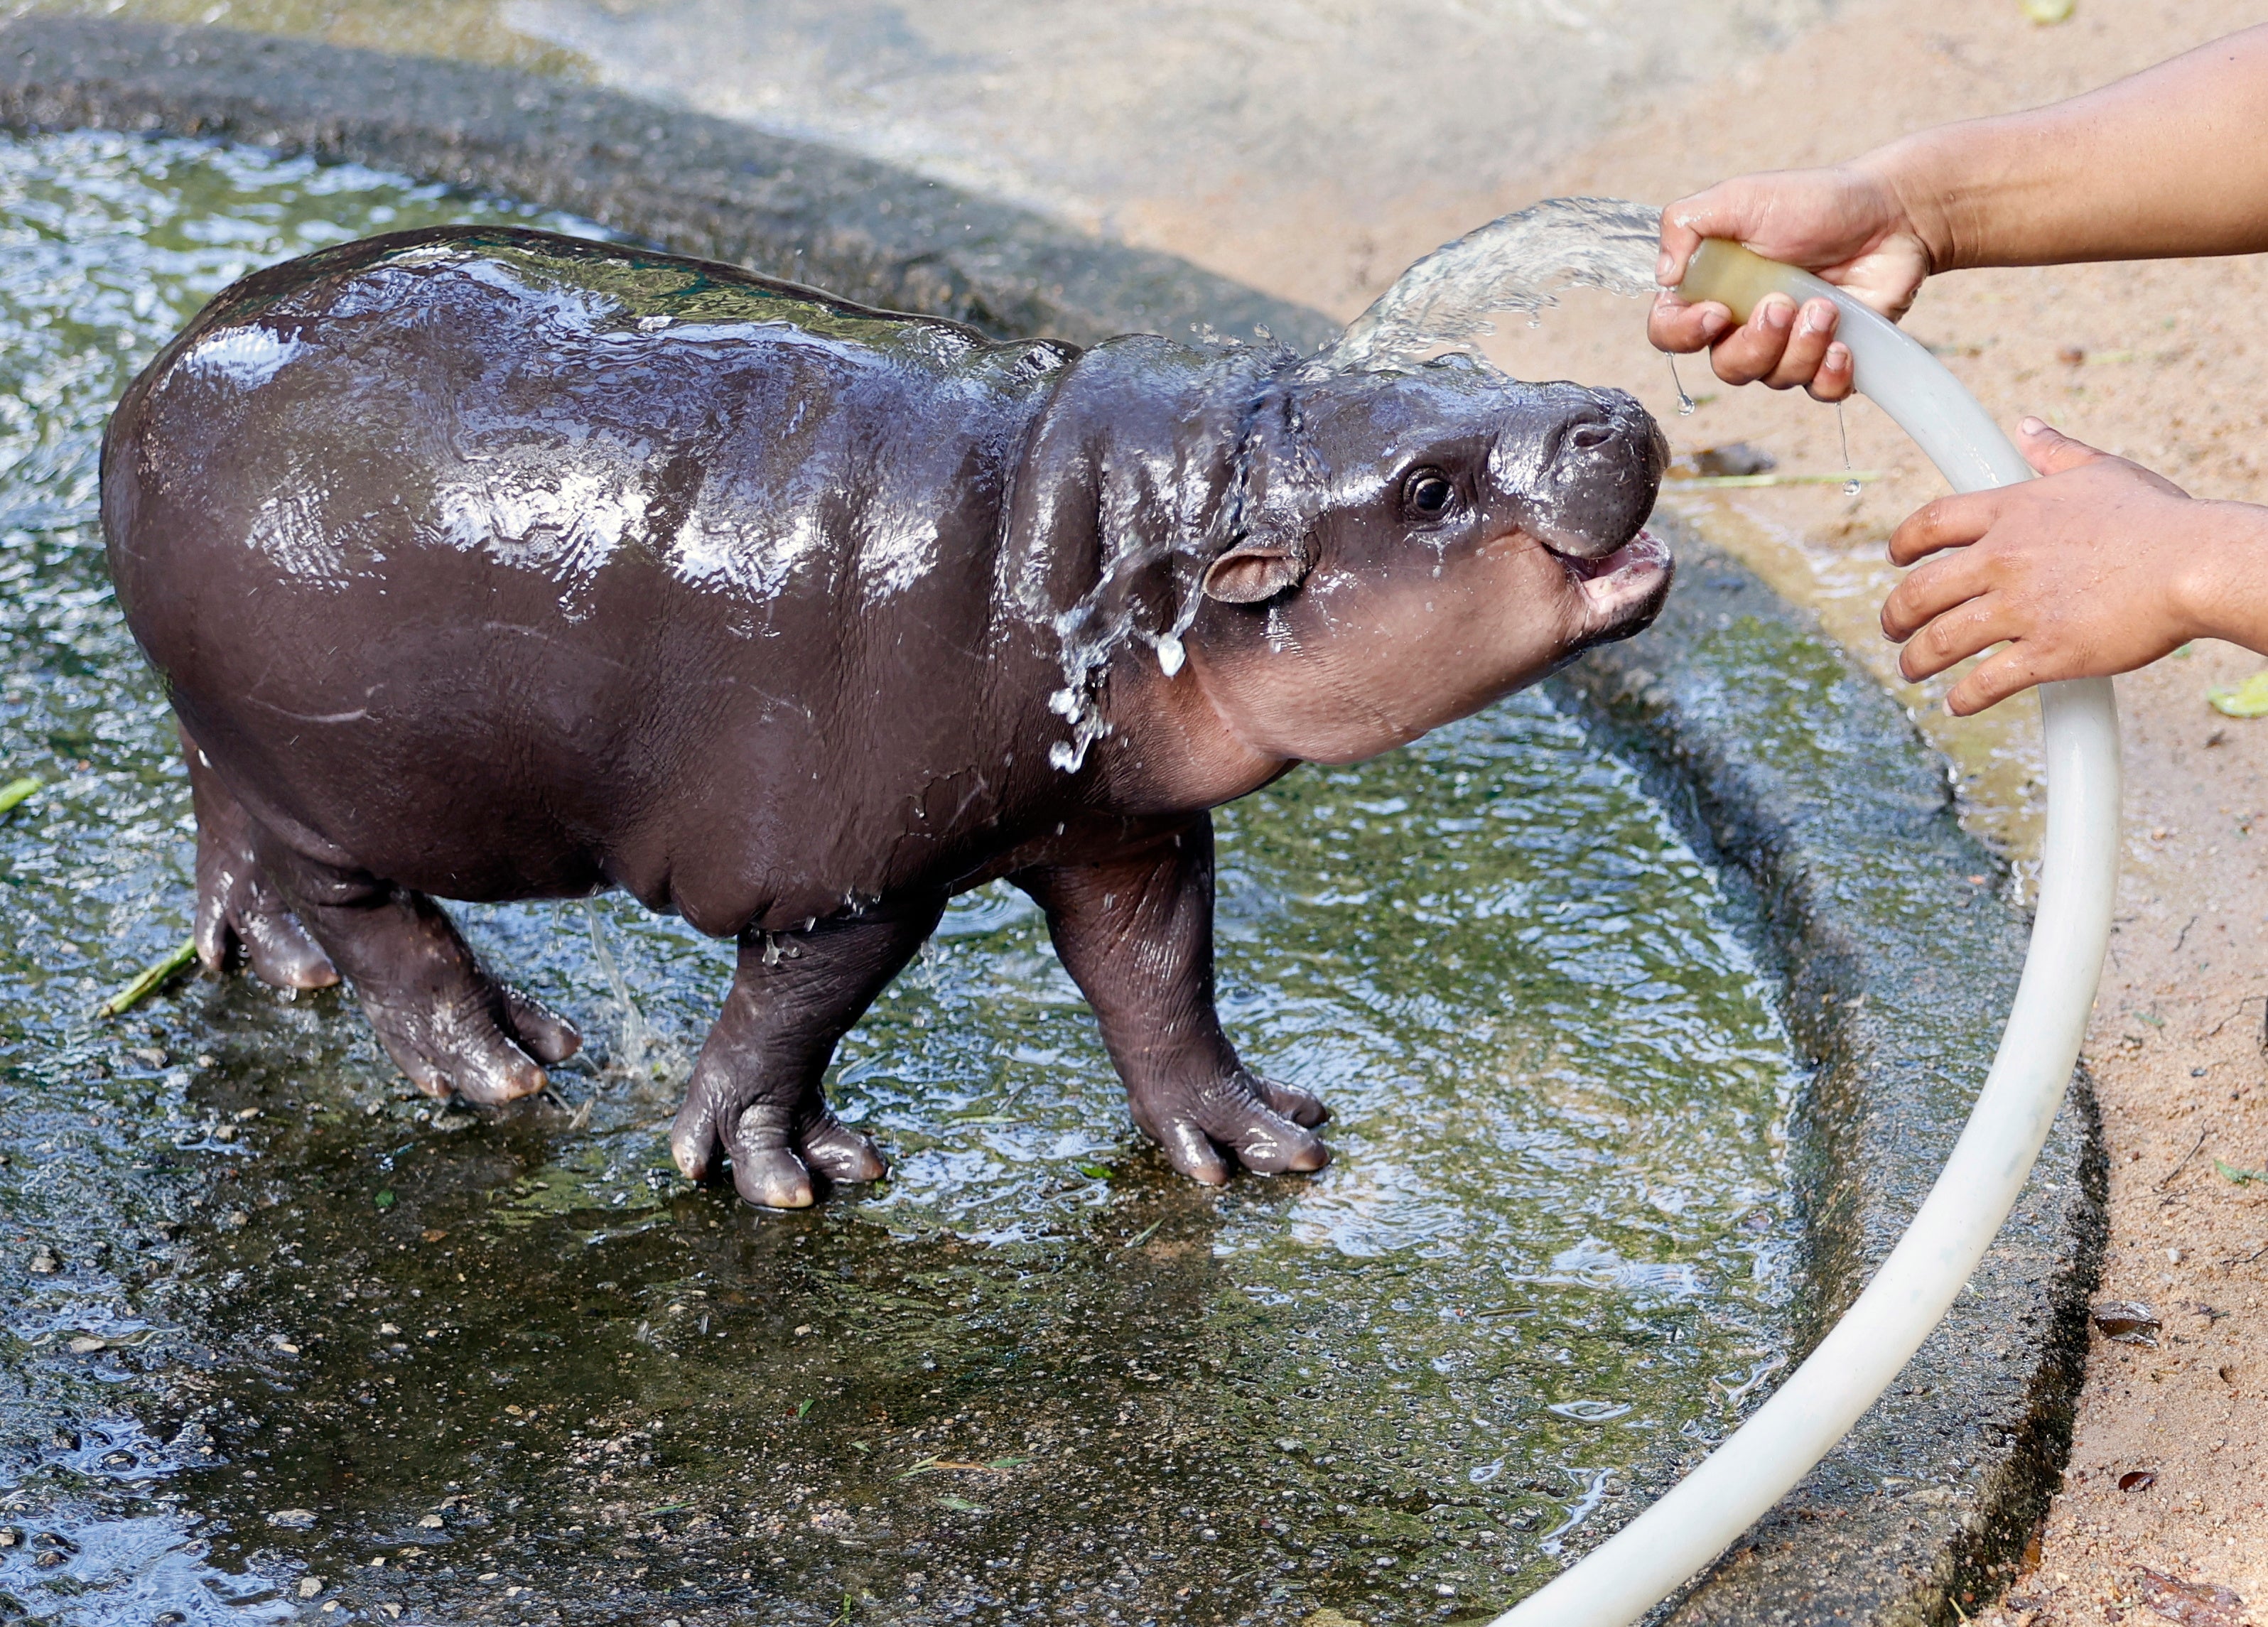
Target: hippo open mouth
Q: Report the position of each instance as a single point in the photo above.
(1623, 588)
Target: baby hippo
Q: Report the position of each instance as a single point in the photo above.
(492, 564)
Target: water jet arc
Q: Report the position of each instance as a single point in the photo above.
(1662, 1550)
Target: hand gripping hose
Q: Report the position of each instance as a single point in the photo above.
(1655, 1555)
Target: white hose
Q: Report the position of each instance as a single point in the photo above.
(1658, 1552)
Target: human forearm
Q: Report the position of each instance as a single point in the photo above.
(2172, 161)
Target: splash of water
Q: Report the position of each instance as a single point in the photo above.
(642, 1053)
(1518, 262)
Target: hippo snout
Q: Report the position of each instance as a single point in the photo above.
(1601, 472)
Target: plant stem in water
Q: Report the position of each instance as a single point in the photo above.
(151, 979)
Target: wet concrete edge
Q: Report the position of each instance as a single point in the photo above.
(702, 185)
(1888, 924)
(1900, 950)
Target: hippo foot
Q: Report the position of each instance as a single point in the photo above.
(775, 1150)
(1266, 1127)
(448, 1024)
(486, 1045)
(238, 907)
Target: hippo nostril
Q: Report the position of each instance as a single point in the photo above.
(1590, 435)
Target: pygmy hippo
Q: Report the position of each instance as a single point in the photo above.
(493, 565)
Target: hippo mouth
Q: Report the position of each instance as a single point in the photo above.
(1622, 589)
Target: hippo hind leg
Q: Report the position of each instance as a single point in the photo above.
(447, 1024)
(237, 906)
(756, 1091)
(1136, 934)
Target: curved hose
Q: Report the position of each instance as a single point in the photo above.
(1655, 1555)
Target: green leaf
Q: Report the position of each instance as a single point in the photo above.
(962, 1504)
(2248, 699)
(802, 1407)
(1094, 1172)
(2243, 1177)
(16, 789)
(385, 1198)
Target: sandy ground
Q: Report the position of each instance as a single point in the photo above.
(2168, 364)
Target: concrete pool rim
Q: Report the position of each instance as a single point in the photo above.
(1887, 926)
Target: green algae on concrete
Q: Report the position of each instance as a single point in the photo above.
(274, 1319)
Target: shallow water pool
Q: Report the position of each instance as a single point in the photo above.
(280, 1335)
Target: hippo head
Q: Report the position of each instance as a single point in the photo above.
(1410, 546)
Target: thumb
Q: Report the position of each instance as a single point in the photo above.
(2050, 450)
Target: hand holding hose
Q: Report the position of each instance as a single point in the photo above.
(2168, 162)
(1844, 224)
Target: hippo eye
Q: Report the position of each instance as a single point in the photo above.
(1428, 494)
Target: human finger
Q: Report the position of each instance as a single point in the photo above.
(2050, 450)
(1807, 339)
(1954, 636)
(2012, 671)
(1753, 350)
(1945, 522)
(1837, 378)
(1681, 328)
(1932, 591)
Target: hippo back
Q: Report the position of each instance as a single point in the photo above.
(572, 558)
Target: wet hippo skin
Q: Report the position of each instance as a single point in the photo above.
(489, 565)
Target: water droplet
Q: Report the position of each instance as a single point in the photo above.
(1852, 489)
(1170, 655)
(1684, 402)
(1843, 429)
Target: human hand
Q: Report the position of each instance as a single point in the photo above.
(1846, 224)
(2098, 567)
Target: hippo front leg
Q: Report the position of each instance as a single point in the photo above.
(1135, 932)
(755, 1089)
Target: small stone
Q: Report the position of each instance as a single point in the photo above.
(310, 1585)
(292, 1519)
(1737, 458)
(10, 1536)
(87, 1344)
(43, 1262)
(432, 1522)
(2127, 1322)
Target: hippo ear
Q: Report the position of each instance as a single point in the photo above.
(1250, 572)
